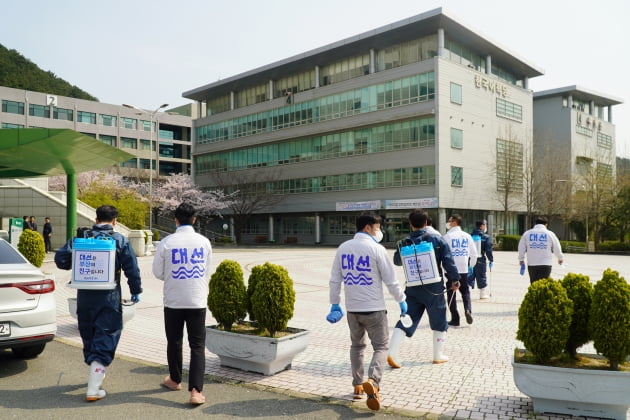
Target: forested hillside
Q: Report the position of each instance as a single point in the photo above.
(17, 71)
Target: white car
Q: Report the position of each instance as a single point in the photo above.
(28, 309)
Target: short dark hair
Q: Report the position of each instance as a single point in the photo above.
(185, 213)
(480, 223)
(541, 220)
(366, 219)
(418, 218)
(106, 213)
(457, 218)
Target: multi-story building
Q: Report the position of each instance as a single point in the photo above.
(168, 144)
(575, 151)
(425, 112)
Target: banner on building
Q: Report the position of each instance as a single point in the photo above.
(358, 205)
(412, 203)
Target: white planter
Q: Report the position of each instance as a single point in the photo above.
(256, 354)
(578, 392)
(128, 310)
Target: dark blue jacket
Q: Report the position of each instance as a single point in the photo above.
(443, 256)
(486, 245)
(125, 257)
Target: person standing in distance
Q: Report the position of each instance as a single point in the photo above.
(99, 312)
(540, 244)
(429, 297)
(182, 261)
(479, 271)
(363, 266)
(465, 255)
(33, 223)
(47, 232)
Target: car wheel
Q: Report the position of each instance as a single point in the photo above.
(28, 352)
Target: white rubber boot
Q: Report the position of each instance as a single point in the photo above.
(484, 293)
(439, 338)
(95, 380)
(394, 346)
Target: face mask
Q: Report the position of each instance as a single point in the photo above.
(378, 236)
(448, 225)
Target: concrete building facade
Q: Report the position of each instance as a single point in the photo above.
(425, 112)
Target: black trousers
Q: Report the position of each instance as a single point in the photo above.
(195, 321)
(537, 272)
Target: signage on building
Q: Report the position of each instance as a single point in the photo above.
(412, 203)
(358, 205)
(491, 85)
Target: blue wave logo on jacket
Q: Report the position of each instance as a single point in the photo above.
(182, 262)
(356, 270)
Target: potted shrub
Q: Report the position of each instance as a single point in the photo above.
(552, 319)
(266, 345)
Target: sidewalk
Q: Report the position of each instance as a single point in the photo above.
(476, 382)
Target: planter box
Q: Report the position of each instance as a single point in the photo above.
(578, 392)
(253, 353)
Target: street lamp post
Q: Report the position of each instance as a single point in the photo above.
(157, 149)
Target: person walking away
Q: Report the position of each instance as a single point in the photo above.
(423, 297)
(465, 255)
(362, 265)
(47, 233)
(33, 223)
(540, 244)
(480, 269)
(182, 261)
(99, 312)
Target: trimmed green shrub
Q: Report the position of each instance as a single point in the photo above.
(31, 245)
(253, 279)
(580, 291)
(544, 319)
(227, 296)
(613, 246)
(272, 299)
(609, 323)
(156, 235)
(508, 242)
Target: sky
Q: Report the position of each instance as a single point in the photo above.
(148, 52)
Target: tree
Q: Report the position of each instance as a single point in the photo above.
(250, 194)
(509, 172)
(179, 188)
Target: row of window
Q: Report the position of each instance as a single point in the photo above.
(604, 140)
(393, 56)
(165, 168)
(396, 136)
(43, 111)
(399, 92)
(390, 178)
(505, 109)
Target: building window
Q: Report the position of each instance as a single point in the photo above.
(457, 176)
(584, 131)
(294, 83)
(583, 166)
(12, 107)
(345, 69)
(509, 165)
(146, 145)
(110, 140)
(146, 125)
(218, 105)
(604, 171)
(9, 125)
(406, 53)
(510, 110)
(456, 93)
(130, 123)
(108, 120)
(604, 140)
(252, 95)
(39, 110)
(86, 117)
(93, 135)
(457, 138)
(63, 114)
(131, 163)
(128, 143)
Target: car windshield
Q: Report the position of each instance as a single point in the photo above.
(8, 254)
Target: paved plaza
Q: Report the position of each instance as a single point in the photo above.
(476, 383)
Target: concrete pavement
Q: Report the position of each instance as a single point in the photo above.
(476, 382)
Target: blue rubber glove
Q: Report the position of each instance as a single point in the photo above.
(490, 265)
(336, 313)
(135, 298)
(403, 308)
